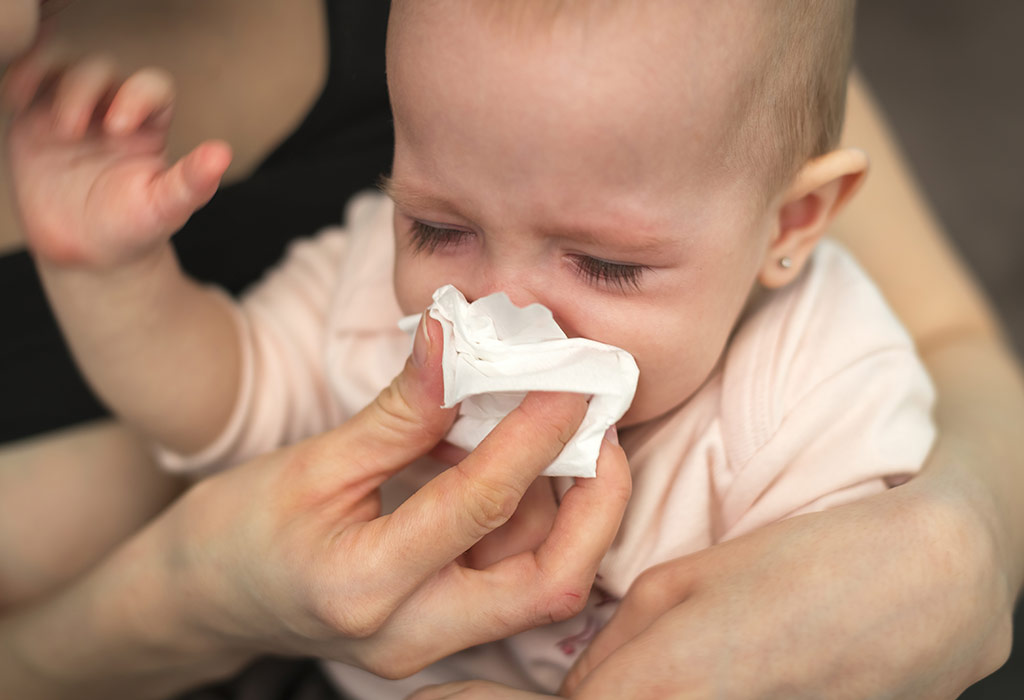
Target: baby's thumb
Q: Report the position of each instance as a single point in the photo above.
(190, 183)
(406, 420)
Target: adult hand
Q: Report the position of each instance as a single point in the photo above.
(288, 554)
(306, 566)
(893, 596)
(474, 690)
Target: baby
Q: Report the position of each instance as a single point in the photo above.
(659, 174)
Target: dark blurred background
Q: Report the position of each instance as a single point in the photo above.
(950, 76)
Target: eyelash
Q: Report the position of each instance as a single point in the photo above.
(427, 238)
(625, 278)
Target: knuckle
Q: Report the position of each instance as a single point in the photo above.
(395, 408)
(650, 592)
(998, 647)
(554, 417)
(489, 504)
(565, 600)
(348, 614)
(358, 618)
(398, 416)
(388, 665)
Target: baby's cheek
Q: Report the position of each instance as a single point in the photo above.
(415, 283)
(666, 381)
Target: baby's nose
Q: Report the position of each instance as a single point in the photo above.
(515, 283)
(523, 294)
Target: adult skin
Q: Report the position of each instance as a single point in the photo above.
(287, 555)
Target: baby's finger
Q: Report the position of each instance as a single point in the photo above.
(27, 77)
(146, 96)
(188, 184)
(79, 92)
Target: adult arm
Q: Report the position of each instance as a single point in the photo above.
(60, 513)
(891, 230)
(285, 554)
(904, 594)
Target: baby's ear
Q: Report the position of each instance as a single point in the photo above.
(814, 197)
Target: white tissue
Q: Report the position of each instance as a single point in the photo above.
(495, 352)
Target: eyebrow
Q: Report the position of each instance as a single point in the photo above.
(408, 196)
(635, 243)
(638, 243)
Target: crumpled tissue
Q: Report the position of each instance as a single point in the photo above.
(495, 352)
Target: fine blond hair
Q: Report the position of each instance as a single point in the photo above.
(792, 107)
(787, 91)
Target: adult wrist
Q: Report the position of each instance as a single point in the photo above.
(956, 520)
(168, 607)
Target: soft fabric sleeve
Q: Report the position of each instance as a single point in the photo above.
(283, 394)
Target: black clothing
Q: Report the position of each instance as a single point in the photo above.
(342, 146)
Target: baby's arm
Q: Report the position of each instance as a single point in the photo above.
(99, 202)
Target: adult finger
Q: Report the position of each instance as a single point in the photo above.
(588, 519)
(473, 690)
(462, 504)
(454, 510)
(553, 583)
(515, 593)
(656, 590)
(146, 96)
(402, 424)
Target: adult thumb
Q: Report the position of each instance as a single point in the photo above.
(406, 420)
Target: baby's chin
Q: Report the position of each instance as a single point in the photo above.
(646, 409)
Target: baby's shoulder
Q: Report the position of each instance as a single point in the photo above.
(832, 320)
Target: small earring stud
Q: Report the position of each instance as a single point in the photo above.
(785, 262)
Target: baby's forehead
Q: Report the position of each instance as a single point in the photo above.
(708, 36)
(685, 58)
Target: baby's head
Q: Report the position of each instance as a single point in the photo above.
(637, 167)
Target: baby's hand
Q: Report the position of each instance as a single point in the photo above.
(87, 153)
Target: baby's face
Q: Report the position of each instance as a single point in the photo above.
(575, 168)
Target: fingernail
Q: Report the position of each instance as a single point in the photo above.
(421, 344)
(612, 435)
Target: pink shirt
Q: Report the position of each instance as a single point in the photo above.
(818, 400)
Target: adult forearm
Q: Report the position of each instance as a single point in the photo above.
(892, 231)
(981, 452)
(58, 474)
(115, 633)
(161, 350)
